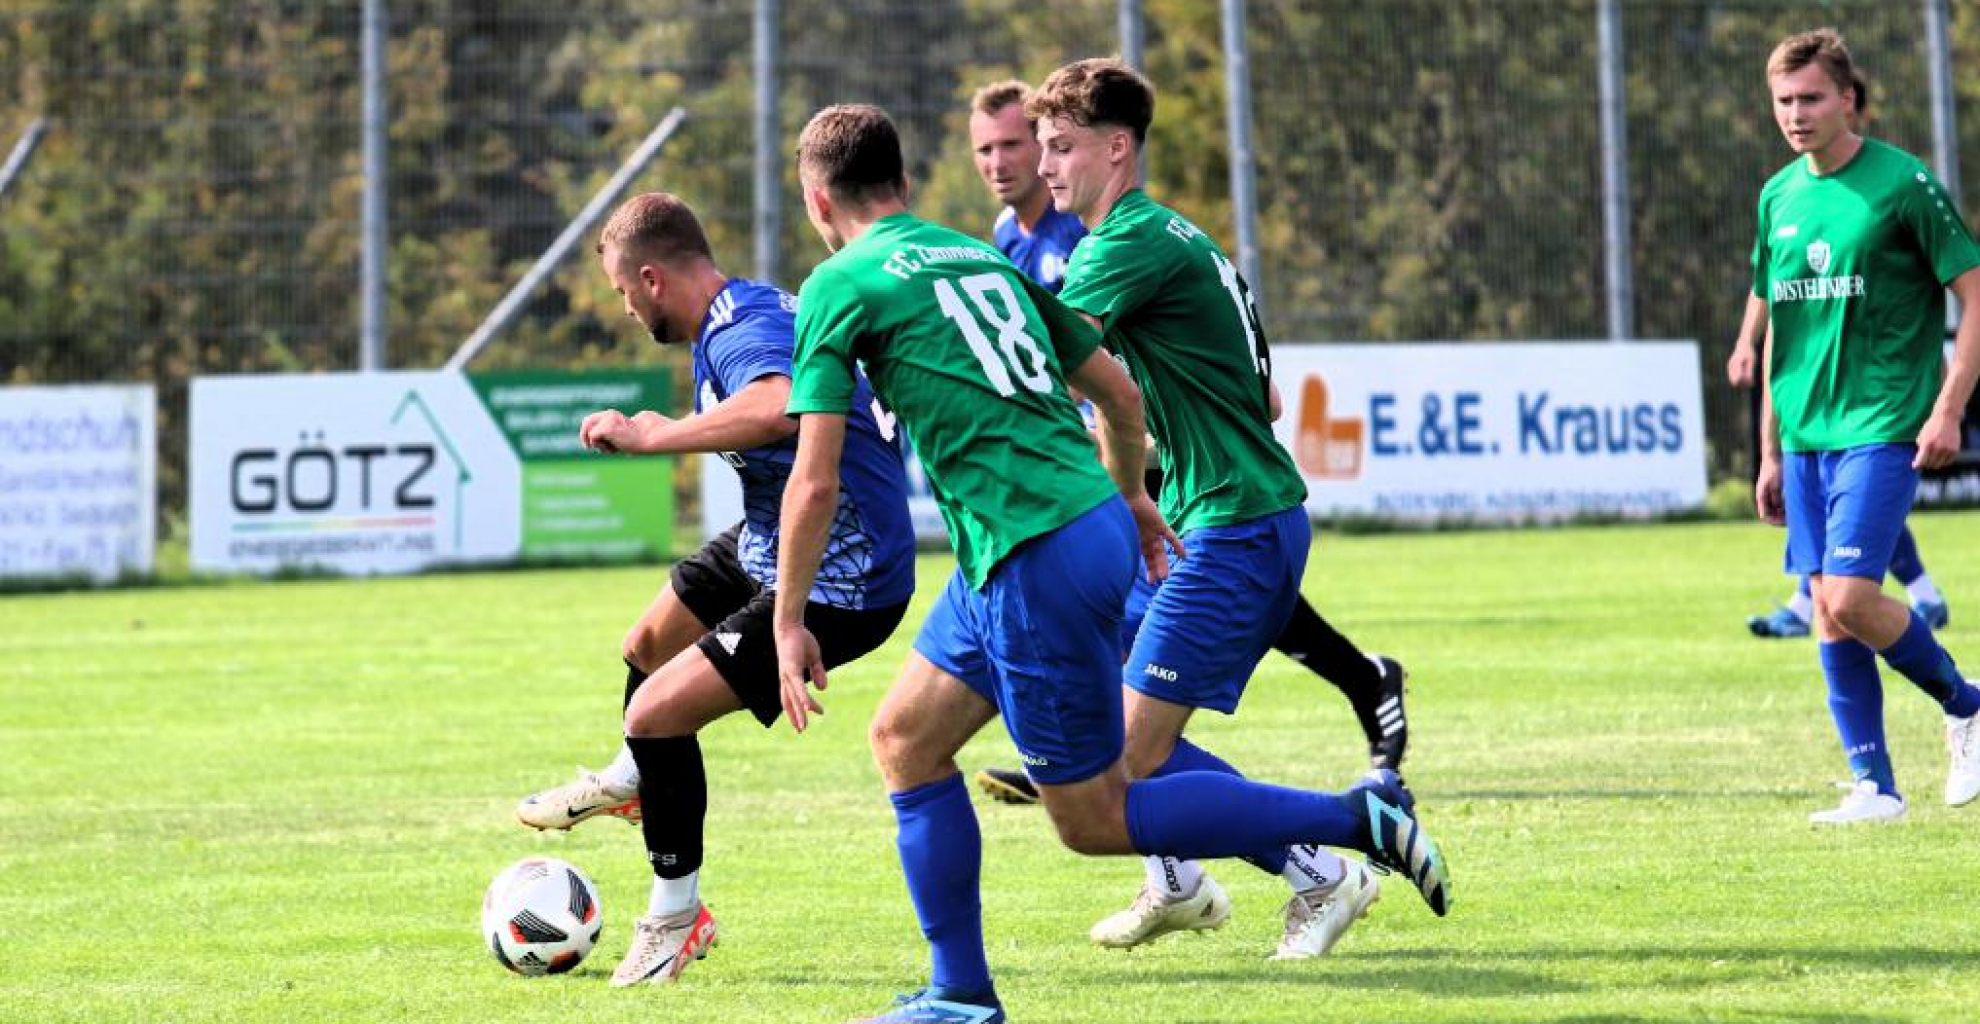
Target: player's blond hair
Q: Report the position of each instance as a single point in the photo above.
(993, 98)
(1824, 48)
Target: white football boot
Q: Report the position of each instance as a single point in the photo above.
(1153, 914)
(1316, 920)
(1862, 804)
(1963, 771)
(663, 946)
(589, 796)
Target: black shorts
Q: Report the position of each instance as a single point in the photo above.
(712, 584)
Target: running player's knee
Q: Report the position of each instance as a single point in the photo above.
(1850, 606)
(1090, 835)
(892, 741)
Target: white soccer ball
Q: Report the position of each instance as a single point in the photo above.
(540, 916)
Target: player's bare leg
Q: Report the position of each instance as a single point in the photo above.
(664, 630)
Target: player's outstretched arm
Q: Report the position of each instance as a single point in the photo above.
(1123, 438)
(1938, 442)
(751, 418)
(811, 496)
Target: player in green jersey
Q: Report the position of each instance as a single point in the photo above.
(974, 360)
(1039, 238)
(1174, 308)
(1856, 243)
(1792, 618)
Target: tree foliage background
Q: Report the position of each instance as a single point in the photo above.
(1428, 169)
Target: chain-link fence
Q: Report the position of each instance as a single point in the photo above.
(1427, 169)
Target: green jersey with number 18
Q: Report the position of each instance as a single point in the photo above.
(1180, 316)
(970, 356)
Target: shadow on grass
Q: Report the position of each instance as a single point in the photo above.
(1516, 795)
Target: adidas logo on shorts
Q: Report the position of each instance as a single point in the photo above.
(728, 641)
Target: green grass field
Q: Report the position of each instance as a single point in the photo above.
(281, 802)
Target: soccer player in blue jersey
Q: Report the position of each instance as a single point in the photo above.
(1856, 245)
(703, 650)
(1034, 234)
(974, 358)
(1039, 238)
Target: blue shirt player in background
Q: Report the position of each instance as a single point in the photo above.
(704, 650)
(1039, 238)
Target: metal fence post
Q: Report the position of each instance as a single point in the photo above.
(769, 164)
(1617, 265)
(1237, 117)
(1131, 30)
(371, 262)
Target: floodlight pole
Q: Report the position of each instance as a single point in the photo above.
(1617, 268)
(512, 304)
(23, 151)
(769, 178)
(1131, 27)
(1945, 126)
(371, 262)
(1244, 164)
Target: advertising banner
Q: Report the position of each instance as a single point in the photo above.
(1494, 432)
(396, 472)
(78, 481)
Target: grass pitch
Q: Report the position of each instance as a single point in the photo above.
(281, 802)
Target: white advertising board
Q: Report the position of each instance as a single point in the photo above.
(358, 473)
(78, 481)
(1494, 432)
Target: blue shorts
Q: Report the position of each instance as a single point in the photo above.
(1219, 611)
(1846, 508)
(1041, 641)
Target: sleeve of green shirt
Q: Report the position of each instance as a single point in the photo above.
(822, 359)
(1108, 276)
(1073, 339)
(1941, 233)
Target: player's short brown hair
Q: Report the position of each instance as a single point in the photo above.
(993, 98)
(1096, 91)
(657, 224)
(1824, 48)
(853, 150)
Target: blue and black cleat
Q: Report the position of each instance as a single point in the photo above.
(1398, 842)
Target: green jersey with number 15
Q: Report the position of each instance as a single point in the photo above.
(969, 354)
(1180, 316)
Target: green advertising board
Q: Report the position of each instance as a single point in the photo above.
(578, 504)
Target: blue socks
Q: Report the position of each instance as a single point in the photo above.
(942, 859)
(1918, 656)
(1856, 701)
(1203, 815)
(1188, 757)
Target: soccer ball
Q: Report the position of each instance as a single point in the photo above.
(540, 916)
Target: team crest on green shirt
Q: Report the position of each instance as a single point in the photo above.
(1818, 257)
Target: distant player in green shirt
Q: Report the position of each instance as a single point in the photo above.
(1793, 618)
(974, 359)
(1856, 243)
(1175, 310)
